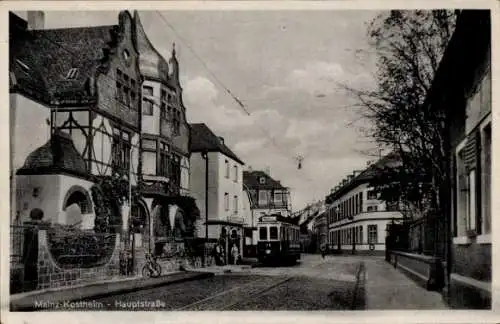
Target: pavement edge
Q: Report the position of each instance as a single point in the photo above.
(27, 305)
(358, 300)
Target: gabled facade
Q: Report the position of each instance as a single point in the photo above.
(164, 129)
(80, 82)
(82, 95)
(266, 196)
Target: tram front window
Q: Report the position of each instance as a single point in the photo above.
(273, 233)
(263, 234)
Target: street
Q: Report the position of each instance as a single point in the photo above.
(312, 284)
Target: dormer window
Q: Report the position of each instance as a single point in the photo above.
(262, 180)
(72, 73)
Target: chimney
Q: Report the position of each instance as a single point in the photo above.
(36, 20)
(221, 139)
(250, 168)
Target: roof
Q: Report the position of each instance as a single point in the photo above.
(251, 180)
(468, 49)
(59, 154)
(203, 139)
(390, 160)
(41, 59)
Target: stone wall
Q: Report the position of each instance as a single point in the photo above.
(50, 275)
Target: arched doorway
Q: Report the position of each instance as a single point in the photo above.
(76, 204)
(140, 223)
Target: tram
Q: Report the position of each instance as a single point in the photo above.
(278, 240)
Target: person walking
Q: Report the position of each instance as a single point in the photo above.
(323, 250)
(235, 253)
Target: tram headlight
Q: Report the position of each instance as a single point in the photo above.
(268, 251)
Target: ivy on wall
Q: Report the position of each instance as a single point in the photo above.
(109, 194)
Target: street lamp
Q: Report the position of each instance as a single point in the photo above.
(204, 155)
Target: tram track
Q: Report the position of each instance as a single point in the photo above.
(232, 298)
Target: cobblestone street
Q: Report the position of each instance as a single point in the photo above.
(313, 284)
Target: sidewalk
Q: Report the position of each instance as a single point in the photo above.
(387, 288)
(29, 301)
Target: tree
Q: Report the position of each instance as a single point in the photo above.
(409, 46)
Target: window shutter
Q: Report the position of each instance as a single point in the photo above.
(470, 151)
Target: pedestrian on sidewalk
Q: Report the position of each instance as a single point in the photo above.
(323, 250)
(235, 253)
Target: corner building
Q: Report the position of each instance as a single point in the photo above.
(356, 218)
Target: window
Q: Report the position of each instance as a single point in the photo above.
(263, 197)
(147, 91)
(226, 201)
(486, 180)
(467, 189)
(263, 234)
(226, 162)
(177, 122)
(163, 100)
(147, 107)
(121, 147)
(235, 204)
(273, 233)
(372, 234)
(163, 169)
(235, 168)
(124, 89)
(262, 180)
(72, 73)
(361, 202)
(175, 170)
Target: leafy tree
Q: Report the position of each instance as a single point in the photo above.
(409, 46)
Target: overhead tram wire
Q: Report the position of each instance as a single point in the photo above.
(89, 75)
(221, 84)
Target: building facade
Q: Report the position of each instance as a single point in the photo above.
(462, 87)
(356, 218)
(78, 92)
(217, 185)
(267, 196)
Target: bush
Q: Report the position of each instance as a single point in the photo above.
(72, 247)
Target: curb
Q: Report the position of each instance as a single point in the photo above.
(28, 304)
(358, 299)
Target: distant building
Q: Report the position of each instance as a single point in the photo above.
(213, 160)
(356, 218)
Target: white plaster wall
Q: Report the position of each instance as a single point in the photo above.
(48, 199)
(381, 234)
(28, 128)
(26, 117)
(102, 147)
(228, 185)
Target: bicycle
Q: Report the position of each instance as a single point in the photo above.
(152, 268)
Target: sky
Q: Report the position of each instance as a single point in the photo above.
(285, 67)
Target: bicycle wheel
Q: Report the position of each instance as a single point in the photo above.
(157, 268)
(146, 272)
